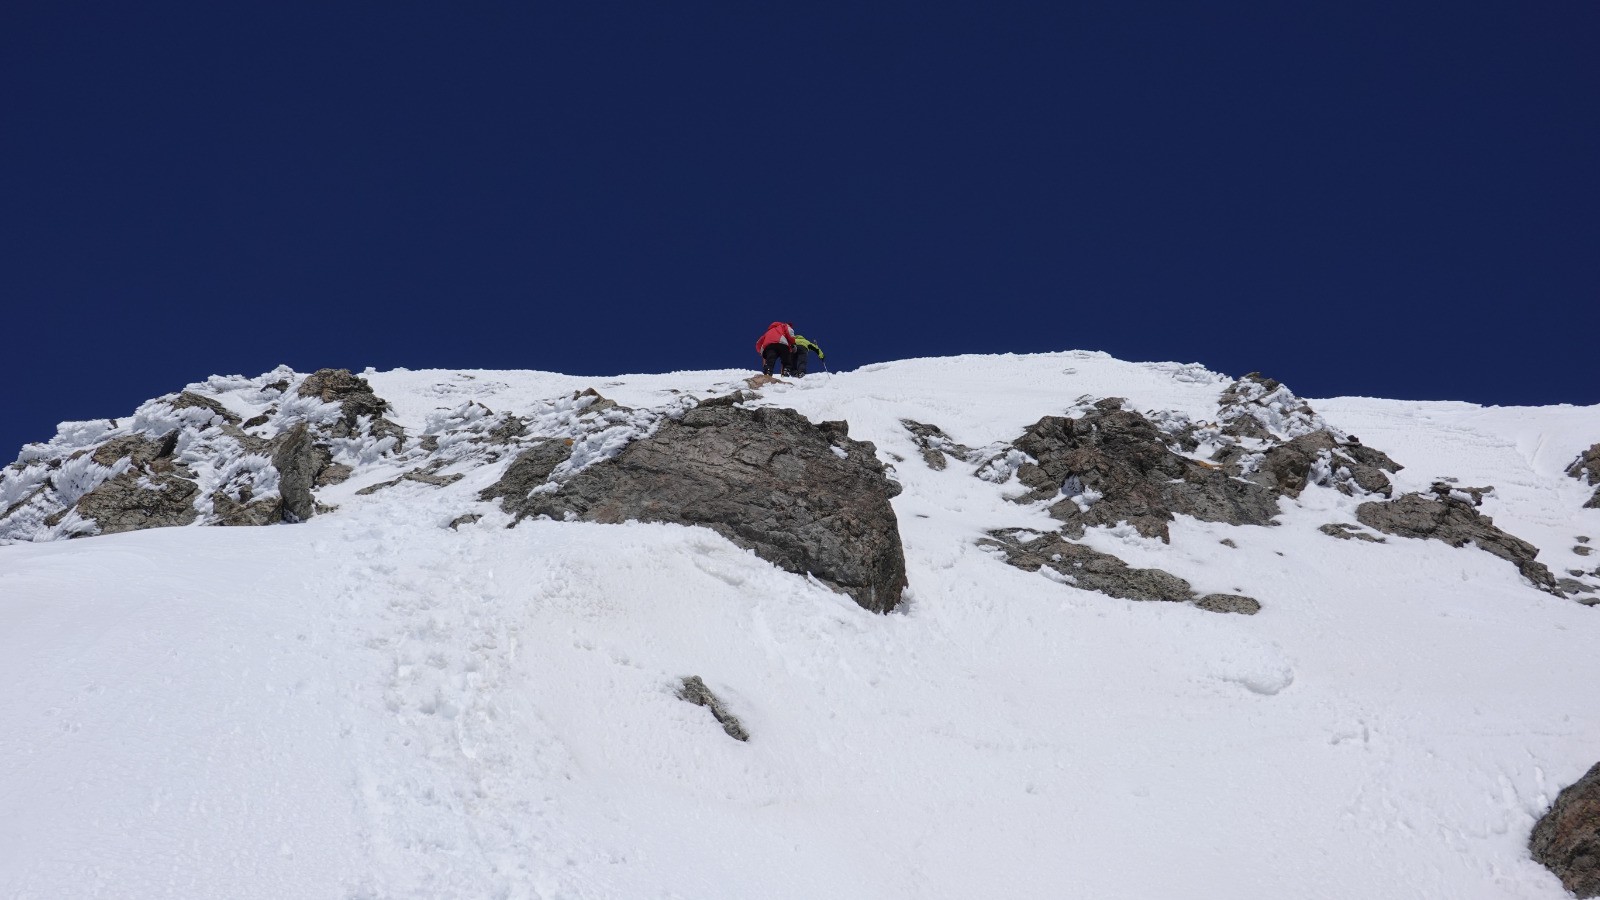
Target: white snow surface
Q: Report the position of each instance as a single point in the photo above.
(374, 705)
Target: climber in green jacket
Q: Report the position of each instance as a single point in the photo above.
(802, 352)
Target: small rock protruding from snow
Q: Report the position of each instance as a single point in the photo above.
(694, 690)
(1084, 567)
(936, 445)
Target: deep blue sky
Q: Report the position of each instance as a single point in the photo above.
(1388, 198)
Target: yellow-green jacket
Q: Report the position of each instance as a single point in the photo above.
(802, 345)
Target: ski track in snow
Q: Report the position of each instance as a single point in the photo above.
(373, 705)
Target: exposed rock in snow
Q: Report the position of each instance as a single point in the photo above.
(1586, 468)
(529, 470)
(1346, 531)
(695, 691)
(1447, 517)
(1259, 407)
(1113, 465)
(1567, 838)
(360, 410)
(1319, 457)
(138, 499)
(299, 462)
(936, 445)
(1091, 570)
(767, 479)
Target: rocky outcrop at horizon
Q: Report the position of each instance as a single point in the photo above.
(187, 458)
(801, 495)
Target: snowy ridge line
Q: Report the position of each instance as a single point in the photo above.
(394, 700)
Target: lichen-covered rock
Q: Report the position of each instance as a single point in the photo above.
(803, 496)
(1446, 517)
(694, 690)
(1567, 839)
(1092, 570)
(1112, 465)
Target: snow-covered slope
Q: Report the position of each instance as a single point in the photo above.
(374, 704)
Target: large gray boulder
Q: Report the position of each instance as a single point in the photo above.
(1117, 465)
(1567, 839)
(299, 462)
(803, 496)
(1446, 517)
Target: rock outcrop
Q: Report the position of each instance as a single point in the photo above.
(1091, 570)
(694, 690)
(1112, 465)
(1586, 468)
(1448, 517)
(191, 458)
(1567, 839)
(358, 406)
(802, 496)
(1322, 458)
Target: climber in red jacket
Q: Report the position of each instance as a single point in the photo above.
(777, 344)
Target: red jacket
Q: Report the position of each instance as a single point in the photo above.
(777, 333)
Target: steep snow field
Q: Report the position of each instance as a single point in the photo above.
(374, 705)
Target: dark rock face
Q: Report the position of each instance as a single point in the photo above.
(356, 401)
(125, 503)
(1290, 466)
(1124, 459)
(1446, 517)
(299, 462)
(1586, 468)
(803, 496)
(1095, 571)
(531, 468)
(693, 690)
(1567, 839)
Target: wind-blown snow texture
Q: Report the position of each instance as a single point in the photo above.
(373, 704)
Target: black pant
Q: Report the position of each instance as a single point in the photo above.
(783, 355)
